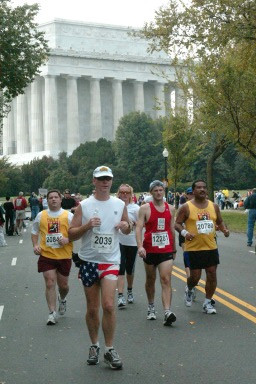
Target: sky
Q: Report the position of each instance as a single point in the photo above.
(130, 13)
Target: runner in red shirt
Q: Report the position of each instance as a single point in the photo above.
(158, 249)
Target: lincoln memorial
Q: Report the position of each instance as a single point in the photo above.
(95, 74)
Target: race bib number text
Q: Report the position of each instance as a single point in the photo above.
(205, 226)
(160, 239)
(102, 243)
(52, 240)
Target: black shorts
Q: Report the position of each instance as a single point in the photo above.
(157, 258)
(203, 259)
(128, 257)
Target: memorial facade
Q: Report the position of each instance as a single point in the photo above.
(95, 74)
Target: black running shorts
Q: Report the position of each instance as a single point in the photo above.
(203, 259)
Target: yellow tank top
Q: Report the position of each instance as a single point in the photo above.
(51, 228)
(201, 223)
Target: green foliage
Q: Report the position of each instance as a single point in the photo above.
(36, 171)
(23, 50)
(183, 142)
(11, 180)
(139, 149)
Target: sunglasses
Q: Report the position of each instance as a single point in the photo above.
(124, 193)
(103, 178)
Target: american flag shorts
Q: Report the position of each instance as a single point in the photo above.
(90, 273)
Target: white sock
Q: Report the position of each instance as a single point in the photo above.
(108, 348)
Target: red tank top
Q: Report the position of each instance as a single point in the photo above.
(158, 237)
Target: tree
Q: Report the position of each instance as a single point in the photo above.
(183, 142)
(36, 171)
(214, 41)
(11, 180)
(139, 147)
(23, 49)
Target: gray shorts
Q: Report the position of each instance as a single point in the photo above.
(20, 215)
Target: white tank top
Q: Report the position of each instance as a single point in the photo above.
(130, 239)
(102, 244)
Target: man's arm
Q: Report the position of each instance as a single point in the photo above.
(219, 221)
(182, 216)
(172, 228)
(77, 229)
(125, 225)
(139, 228)
(36, 246)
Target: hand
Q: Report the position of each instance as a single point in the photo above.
(189, 236)
(63, 241)
(37, 250)
(226, 232)
(94, 222)
(123, 226)
(142, 252)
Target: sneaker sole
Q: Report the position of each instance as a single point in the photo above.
(112, 366)
(50, 323)
(171, 319)
(151, 317)
(92, 363)
(122, 307)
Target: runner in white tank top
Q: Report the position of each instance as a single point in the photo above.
(97, 221)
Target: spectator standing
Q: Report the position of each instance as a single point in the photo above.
(250, 204)
(34, 205)
(9, 216)
(20, 204)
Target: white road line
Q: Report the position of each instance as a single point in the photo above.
(1, 311)
(21, 241)
(251, 251)
(25, 230)
(14, 260)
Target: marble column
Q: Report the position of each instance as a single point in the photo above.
(36, 132)
(180, 99)
(118, 110)
(51, 136)
(23, 145)
(160, 99)
(95, 110)
(139, 96)
(9, 142)
(73, 136)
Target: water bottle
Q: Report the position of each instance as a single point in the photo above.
(96, 214)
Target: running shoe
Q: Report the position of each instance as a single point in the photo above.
(151, 313)
(209, 309)
(212, 302)
(121, 303)
(62, 306)
(169, 318)
(94, 352)
(193, 290)
(112, 359)
(130, 297)
(52, 318)
(188, 298)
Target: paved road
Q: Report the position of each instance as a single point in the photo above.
(198, 348)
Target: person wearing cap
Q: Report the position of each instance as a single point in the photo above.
(68, 202)
(20, 204)
(158, 249)
(201, 216)
(97, 222)
(50, 241)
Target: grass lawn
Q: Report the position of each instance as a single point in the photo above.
(236, 221)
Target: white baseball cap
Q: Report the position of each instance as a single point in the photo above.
(102, 171)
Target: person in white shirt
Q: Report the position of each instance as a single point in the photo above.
(128, 247)
(97, 222)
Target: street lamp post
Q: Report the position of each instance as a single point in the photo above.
(165, 155)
